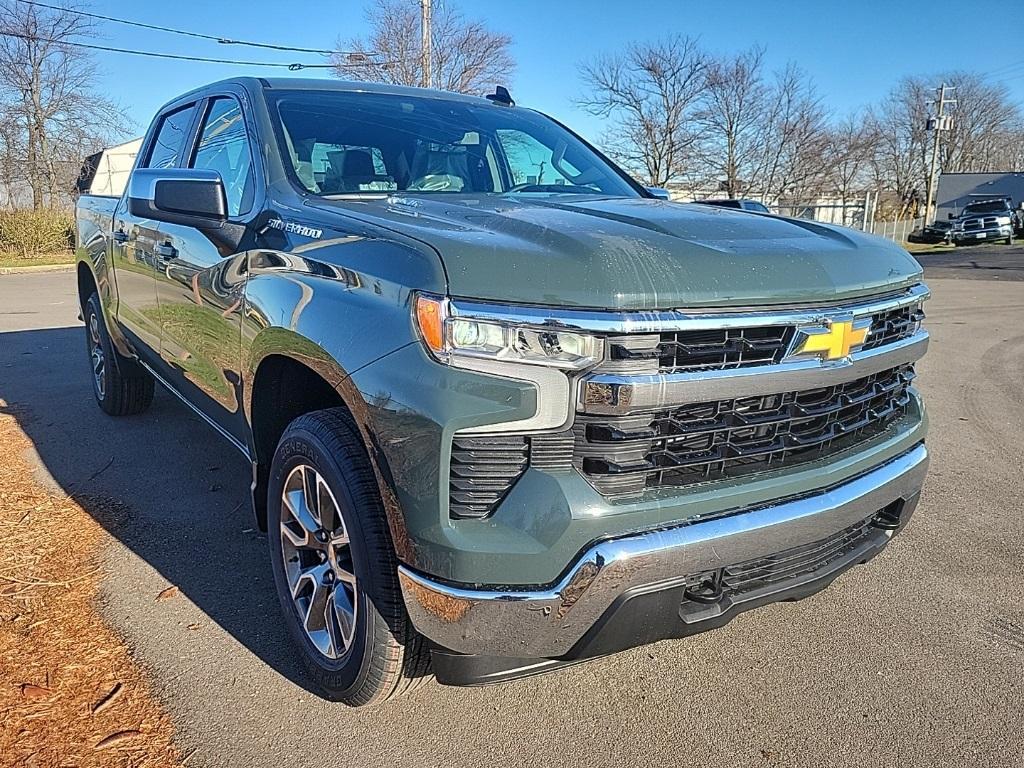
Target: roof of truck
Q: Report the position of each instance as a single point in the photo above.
(352, 86)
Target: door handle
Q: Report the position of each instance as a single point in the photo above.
(120, 236)
(165, 251)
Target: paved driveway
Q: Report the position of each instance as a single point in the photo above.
(917, 658)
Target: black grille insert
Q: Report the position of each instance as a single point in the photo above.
(729, 438)
(705, 350)
(894, 325)
(483, 469)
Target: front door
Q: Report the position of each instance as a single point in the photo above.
(134, 240)
(200, 287)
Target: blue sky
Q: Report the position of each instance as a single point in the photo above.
(854, 51)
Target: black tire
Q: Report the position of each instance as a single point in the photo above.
(386, 657)
(121, 386)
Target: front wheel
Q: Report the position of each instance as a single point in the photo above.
(335, 567)
(121, 387)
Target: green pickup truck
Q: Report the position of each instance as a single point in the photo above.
(506, 409)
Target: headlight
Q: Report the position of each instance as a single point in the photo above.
(446, 335)
(1003, 220)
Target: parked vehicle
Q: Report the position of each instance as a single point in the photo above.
(744, 205)
(993, 219)
(505, 409)
(932, 234)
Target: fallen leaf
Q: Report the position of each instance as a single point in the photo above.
(167, 594)
(116, 738)
(34, 692)
(193, 627)
(107, 700)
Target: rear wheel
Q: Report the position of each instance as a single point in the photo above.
(121, 387)
(334, 565)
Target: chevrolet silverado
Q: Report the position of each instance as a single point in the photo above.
(506, 409)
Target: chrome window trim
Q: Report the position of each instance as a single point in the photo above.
(656, 321)
(616, 395)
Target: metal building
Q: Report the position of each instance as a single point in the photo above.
(958, 189)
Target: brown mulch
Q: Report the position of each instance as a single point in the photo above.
(70, 692)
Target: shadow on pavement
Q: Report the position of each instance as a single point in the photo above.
(184, 491)
(974, 262)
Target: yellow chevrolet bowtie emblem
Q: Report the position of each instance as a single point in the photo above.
(836, 341)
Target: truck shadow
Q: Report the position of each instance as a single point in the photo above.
(163, 484)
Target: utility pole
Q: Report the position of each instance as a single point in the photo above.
(938, 123)
(425, 45)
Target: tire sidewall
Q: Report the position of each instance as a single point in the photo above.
(337, 677)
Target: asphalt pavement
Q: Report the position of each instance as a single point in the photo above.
(914, 659)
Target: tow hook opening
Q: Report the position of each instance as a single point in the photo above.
(888, 517)
(708, 589)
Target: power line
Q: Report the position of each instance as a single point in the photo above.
(182, 57)
(188, 33)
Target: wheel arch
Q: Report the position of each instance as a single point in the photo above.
(288, 376)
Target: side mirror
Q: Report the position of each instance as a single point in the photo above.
(951, 216)
(658, 192)
(186, 196)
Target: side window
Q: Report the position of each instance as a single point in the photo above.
(170, 138)
(531, 162)
(224, 147)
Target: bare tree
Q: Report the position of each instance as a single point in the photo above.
(795, 159)
(50, 112)
(984, 124)
(466, 56)
(901, 152)
(851, 145)
(735, 104)
(651, 94)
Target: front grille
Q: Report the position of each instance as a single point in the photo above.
(894, 325)
(703, 350)
(483, 469)
(983, 222)
(730, 438)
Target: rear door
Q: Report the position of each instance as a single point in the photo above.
(199, 284)
(134, 239)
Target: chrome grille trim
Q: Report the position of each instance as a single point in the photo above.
(611, 394)
(611, 322)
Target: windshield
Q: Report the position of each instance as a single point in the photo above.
(344, 143)
(992, 206)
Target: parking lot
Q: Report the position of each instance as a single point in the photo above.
(918, 656)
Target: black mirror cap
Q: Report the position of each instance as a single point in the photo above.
(192, 198)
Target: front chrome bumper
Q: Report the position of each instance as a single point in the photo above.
(548, 622)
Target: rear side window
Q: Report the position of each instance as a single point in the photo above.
(224, 147)
(170, 138)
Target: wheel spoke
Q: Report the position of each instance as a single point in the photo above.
(310, 493)
(345, 616)
(295, 503)
(345, 576)
(328, 510)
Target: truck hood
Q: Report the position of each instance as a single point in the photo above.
(622, 253)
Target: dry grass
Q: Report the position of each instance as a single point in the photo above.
(27, 233)
(70, 692)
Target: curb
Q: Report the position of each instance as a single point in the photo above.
(37, 268)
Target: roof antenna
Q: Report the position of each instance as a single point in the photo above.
(501, 96)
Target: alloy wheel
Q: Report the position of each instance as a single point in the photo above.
(96, 357)
(318, 562)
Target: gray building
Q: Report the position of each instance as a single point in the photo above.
(958, 189)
